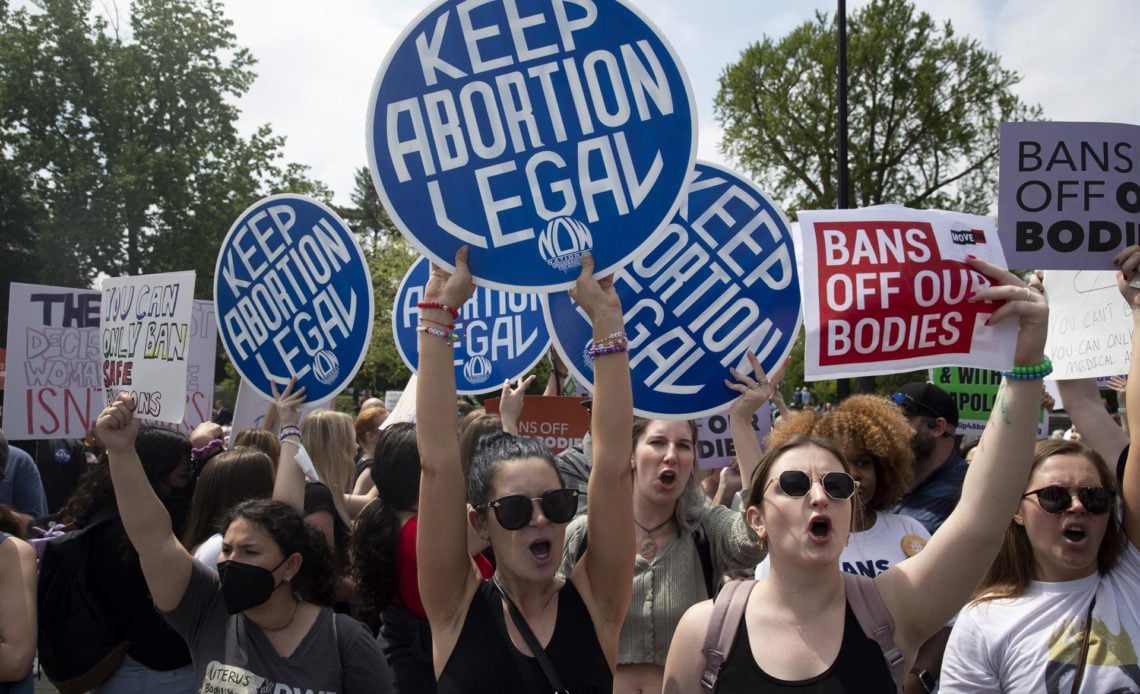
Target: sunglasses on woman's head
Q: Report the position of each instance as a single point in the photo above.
(797, 483)
(515, 511)
(1058, 499)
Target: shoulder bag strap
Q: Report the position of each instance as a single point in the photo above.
(532, 642)
(728, 610)
(1084, 648)
(877, 622)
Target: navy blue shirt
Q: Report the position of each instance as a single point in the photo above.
(931, 501)
(21, 488)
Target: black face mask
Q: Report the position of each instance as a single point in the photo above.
(245, 586)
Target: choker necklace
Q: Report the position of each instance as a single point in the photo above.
(283, 627)
(648, 548)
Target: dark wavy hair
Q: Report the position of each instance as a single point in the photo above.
(1014, 567)
(316, 579)
(396, 471)
(160, 451)
(493, 451)
(228, 479)
(862, 425)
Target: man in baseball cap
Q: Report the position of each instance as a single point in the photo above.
(938, 470)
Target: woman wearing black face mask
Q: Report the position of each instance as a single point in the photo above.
(260, 620)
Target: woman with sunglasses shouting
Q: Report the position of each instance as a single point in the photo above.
(798, 629)
(1058, 610)
(525, 630)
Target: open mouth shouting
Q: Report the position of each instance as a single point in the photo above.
(819, 529)
(1075, 534)
(667, 479)
(540, 549)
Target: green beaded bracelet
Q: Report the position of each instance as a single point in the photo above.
(1030, 372)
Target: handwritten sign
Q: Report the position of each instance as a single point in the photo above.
(54, 387)
(722, 280)
(1090, 324)
(531, 134)
(199, 368)
(502, 335)
(294, 297)
(887, 289)
(1069, 193)
(145, 340)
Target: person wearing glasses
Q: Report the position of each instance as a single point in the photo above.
(684, 544)
(938, 469)
(525, 630)
(1058, 610)
(798, 628)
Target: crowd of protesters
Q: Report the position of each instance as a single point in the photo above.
(334, 553)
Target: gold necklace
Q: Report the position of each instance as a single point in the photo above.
(296, 604)
(648, 547)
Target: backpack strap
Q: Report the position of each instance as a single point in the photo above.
(728, 611)
(704, 551)
(877, 622)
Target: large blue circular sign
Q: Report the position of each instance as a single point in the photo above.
(722, 280)
(531, 131)
(294, 297)
(502, 335)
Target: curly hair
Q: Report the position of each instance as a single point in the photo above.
(396, 470)
(862, 425)
(316, 579)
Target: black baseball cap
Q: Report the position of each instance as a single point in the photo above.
(926, 400)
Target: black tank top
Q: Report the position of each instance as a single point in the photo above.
(485, 660)
(859, 667)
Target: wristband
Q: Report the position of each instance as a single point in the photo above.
(289, 431)
(1030, 372)
(449, 338)
(443, 307)
(445, 326)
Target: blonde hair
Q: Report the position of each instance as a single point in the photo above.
(328, 435)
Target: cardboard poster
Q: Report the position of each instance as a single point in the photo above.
(502, 335)
(199, 368)
(714, 437)
(722, 280)
(145, 338)
(1090, 325)
(294, 297)
(1069, 193)
(531, 133)
(886, 290)
(250, 407)
(559, 422)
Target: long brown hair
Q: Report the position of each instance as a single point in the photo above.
(1015, 567)
(228, 479)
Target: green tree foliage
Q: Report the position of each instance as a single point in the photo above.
(127, 139)
(924, 111)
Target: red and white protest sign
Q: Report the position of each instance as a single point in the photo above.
(885, 290)
(558, 421)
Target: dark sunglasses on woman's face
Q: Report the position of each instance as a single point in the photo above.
(1057, 499)
(797, 483)
(516, 510)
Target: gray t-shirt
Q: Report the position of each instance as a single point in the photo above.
(232, 656)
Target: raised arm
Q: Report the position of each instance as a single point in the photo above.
(1129, 263)
(165, 562)
(607, 566)
(289, 484)
(447, 576)
(755, 391)
(511, 401)
(925, 591)
(1086, 409)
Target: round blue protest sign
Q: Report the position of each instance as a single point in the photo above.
(531, 132)
(722, 280)
(502, 335)
(294, 297)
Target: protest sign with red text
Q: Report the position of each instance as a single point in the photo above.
(885, 290)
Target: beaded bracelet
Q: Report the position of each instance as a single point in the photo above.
(611, 340)
(449, 338)
(608, 349)
(1030, 372)
(289, 431)
(443, 307)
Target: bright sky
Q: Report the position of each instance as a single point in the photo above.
(317, 60)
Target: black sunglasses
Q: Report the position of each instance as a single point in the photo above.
(1057, 499)
(908, 403)
(516, 510)
(797, 483)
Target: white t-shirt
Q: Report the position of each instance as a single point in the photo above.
(208, 552)
(871, 552)
(1033, 643)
